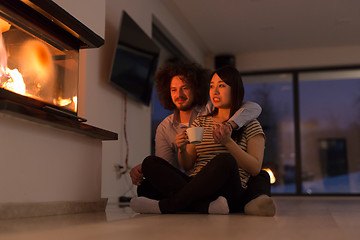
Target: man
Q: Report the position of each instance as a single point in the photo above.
(183, 87)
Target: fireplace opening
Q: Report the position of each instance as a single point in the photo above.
(39, 64)
(31, 67)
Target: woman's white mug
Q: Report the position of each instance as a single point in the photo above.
(195, 134)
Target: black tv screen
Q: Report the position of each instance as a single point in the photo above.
(135, 61)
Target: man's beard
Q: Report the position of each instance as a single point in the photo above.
(186, 107)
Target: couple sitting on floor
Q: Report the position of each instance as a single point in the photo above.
(220, 175)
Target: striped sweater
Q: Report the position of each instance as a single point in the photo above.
(208, 149)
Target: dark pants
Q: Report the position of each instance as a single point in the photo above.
(178, 192)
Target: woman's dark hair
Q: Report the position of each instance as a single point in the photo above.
(196, 76)
(231, 76)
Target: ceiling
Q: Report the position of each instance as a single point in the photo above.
(241, 26)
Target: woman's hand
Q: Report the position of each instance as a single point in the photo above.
(181, 140)
(222, 132)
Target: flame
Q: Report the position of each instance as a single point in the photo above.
(75, 102)
(4, 26)
(66, 102)
(15, 82)
(271, 174)
(3, 57)
(11, 79)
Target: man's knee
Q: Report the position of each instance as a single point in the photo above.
(148, 163)
(151, 163)
(264, 174)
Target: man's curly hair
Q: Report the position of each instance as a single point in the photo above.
(196, 76)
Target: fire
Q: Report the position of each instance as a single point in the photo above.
(37, 77)
(4, 26)
(271, 174)
(75, 102)
(15, 82)
(66, 102)
(11, 79)
(3, 55)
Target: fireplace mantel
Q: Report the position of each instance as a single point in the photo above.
(45, 116)
(52, 19)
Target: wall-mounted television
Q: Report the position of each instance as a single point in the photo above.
(135, 61)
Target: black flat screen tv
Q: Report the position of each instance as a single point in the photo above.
(135, 61)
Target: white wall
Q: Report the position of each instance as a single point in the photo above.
(294, 58)
(299, 58)
(42, 164)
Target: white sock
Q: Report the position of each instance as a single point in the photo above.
(219, 206)
(261, 206)
(144, 205)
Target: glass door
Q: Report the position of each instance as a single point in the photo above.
(274, 93)
(329, 103)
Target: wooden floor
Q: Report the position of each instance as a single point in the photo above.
(302, 218)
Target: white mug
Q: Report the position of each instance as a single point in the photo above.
(195, 134)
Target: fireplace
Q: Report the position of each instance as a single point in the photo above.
(39, 64)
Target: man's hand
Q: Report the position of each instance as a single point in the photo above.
(222, 132)
(181, 139)
(136, 175)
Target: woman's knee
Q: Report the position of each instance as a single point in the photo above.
(225, 160)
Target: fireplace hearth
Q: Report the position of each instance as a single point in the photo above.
(39, 64)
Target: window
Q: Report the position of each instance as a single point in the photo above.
(274, 93)
(311, 119)
(330, 131)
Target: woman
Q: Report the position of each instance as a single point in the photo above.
(222, 164)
